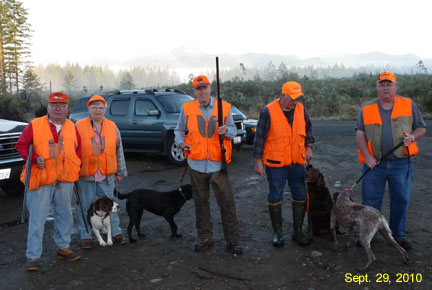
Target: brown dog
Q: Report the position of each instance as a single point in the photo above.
(347, 214)
(320, 202)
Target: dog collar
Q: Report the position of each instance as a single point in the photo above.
(181, 193)
(346, 191)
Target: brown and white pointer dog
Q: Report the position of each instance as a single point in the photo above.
(347, 214)
(98, 216)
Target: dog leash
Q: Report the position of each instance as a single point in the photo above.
(367, 171)
(181, 181)
(184, 173)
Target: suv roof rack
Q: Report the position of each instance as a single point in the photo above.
(150, 91)
(137, 91)
(170, 90)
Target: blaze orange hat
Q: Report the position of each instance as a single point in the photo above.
(96, 98)
(200, 81)
(58, 97)
(386, 76)
(293, 89)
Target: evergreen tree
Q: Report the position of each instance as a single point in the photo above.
(31, 86)
(14, 37)
(126, 82)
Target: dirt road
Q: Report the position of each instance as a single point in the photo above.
(157, 262)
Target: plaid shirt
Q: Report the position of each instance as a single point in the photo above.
(263, 126)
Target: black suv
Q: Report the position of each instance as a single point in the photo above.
(11, 163)
(146, 119)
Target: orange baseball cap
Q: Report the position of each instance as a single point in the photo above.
(96, 98)
(386, 76)
(58, 97)
(293, 89)
(200, 81)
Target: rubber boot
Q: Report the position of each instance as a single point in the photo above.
(298, 209)
(276, 219)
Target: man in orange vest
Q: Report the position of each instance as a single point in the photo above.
(381, 125)
(103, 164)
(283, 141)
(199, 118)
(56, 161)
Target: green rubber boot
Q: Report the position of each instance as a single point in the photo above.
(276, 219)
(298, 209)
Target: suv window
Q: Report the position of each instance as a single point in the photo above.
(142, 107)
(173, 103)
(81, 105)
(119, 107)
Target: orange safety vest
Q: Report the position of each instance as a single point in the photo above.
(96, 156)
(61, 161)
(285, 145)
(202, 135)
(401, 122)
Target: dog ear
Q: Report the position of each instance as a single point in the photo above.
(320, 179)
(335, 196)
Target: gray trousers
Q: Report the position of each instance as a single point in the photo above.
(225, 199)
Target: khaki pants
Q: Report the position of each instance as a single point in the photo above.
(225, 199)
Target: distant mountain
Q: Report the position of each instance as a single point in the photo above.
(190, 58)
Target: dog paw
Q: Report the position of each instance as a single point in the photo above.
(102, 244)
(110, 243)
(141, 235)
(176, 236)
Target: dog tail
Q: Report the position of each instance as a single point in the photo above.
(120, 195)
(385, 223)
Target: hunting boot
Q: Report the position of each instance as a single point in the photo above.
(298, 209)
(276, 219)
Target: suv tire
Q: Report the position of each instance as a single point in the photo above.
(174, 153)
(13, 187)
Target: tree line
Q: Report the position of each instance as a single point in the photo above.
(331, 92)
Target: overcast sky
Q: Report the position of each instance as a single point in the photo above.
(81, 30)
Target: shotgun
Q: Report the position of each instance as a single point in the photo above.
(26, 182)
(220, 121)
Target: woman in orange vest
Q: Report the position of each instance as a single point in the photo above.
(381, 125)
(103, 164)
(283, 141)
(56, 161)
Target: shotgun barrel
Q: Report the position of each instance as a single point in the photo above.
(26, 182)
(220, 121)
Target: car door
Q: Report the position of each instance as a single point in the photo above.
(118, 112)
(147, 126)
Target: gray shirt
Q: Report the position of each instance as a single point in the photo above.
(387, 136)
(205, 166)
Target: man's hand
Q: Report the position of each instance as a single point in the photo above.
(119, 178)
(407, 139)
(259, 167)
(185, 147)
(308, 154)
(40, 162)
(222, 130)
(370, 161)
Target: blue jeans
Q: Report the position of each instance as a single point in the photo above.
(277, 178)
(38, 204)
(89, 191)
(398, 173)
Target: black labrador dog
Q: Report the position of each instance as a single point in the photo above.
(166, 204)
